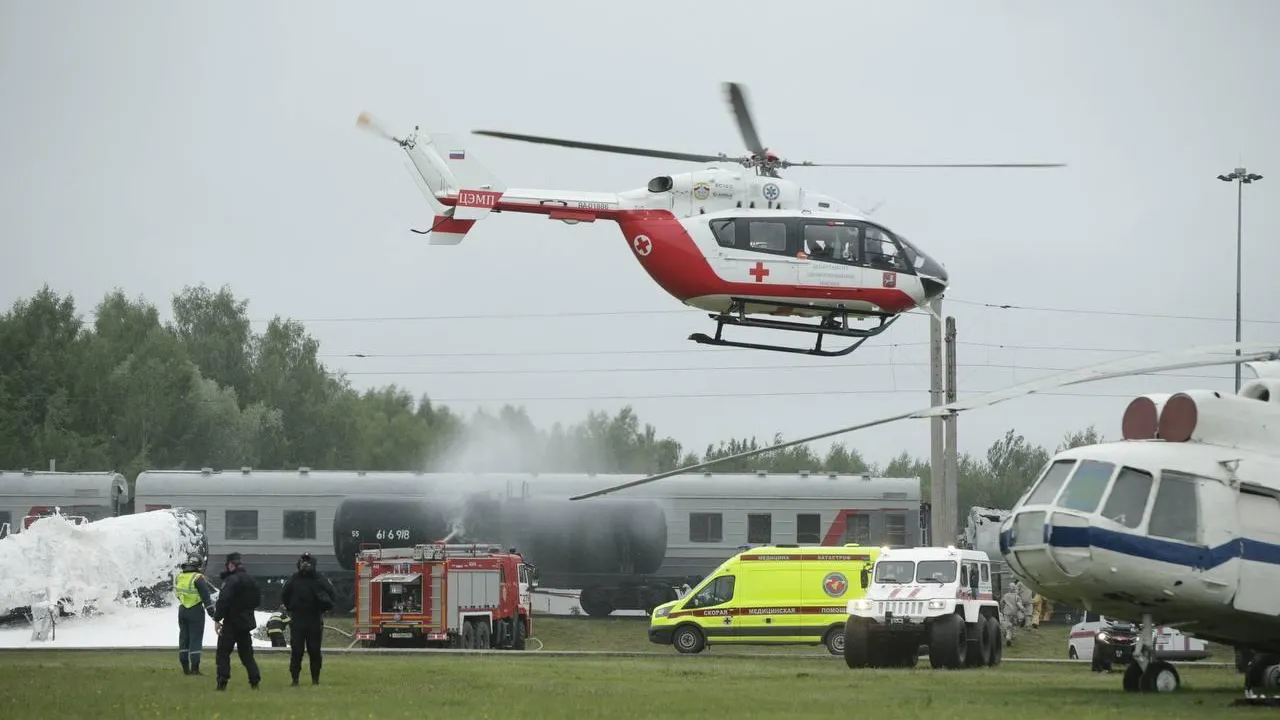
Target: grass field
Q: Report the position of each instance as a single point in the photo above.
(62, 684)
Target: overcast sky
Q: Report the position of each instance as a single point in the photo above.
(149, 145)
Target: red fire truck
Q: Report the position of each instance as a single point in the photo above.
(437, 594)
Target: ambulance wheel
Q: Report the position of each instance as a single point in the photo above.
(997, 641)
(948, 646)
(468, 635)
(688, 640)
(834, 640)
(855, 643)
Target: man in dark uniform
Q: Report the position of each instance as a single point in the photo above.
(235, 620)
(194, 601)
(307, 595)
(276, 625)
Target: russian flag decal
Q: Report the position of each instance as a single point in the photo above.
(457, 154)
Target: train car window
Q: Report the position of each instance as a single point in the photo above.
(300, 524)
(241, 525)
(895, 529)
(857, 529)
(759, 528)
(1176, 512)
(725, 231)
(1084, 489)
(5, 517)
(1050, 482)
(1128, 499)
(706, 527)
(809, 528)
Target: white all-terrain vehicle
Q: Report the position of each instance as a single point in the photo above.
(938, 597)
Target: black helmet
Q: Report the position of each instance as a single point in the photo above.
(233, 558)
(191, 564)
(306, 561)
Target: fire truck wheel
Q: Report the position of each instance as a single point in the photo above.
(518, 642)
(688, 640)
(468, 635)
(482, 635)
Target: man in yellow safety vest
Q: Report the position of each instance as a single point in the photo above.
(195, 600)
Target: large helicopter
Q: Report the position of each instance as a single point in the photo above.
(1175, 525)
(739, 242)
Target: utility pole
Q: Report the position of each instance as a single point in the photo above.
(937, 473)
(1241, 177)
(948, 508)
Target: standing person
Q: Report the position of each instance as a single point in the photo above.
(276, 625)
(194, 602)
(307, 595)
(233, 615)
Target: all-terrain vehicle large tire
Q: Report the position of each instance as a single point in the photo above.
(948, 644)
(856, 646)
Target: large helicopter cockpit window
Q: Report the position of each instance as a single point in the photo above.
(1088, 483)
(1051, 482)
(880, 251)
(1176, 512)
(914, 257)
(1128, 499)
(769, 235)
(831, 242)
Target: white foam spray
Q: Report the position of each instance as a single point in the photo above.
(96, 565)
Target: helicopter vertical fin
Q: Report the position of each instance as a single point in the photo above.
(445, 168)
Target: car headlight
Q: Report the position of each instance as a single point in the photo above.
(662, 612)
(937, 604)
(1102, 636)
(862, 605)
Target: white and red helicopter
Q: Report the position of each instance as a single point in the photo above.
(735, 243)
(1176, 525)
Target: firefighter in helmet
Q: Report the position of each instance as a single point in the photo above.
(194, 602)
(307, 596)
(276, 625)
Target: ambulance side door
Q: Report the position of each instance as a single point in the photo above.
(714, 607)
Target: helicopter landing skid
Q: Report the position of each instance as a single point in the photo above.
(835, 323)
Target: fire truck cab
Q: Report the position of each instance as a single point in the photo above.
(474, 597)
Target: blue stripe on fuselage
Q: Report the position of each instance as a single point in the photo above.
(1165, 551)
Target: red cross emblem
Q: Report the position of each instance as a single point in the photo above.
(642, 245)
(759, 272)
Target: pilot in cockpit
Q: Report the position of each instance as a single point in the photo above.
(818, 241)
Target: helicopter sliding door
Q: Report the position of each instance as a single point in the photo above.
(1259, 528)
(758, 251)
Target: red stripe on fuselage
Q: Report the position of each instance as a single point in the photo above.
(679, 266)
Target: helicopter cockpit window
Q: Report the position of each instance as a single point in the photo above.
(725, 231)
(768, 235)
(1051, 482)
(1128, 499)
(1176, 512)
(1088, 483)
(913, 256)
(880, 251)
(824, 241)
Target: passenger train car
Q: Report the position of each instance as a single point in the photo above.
(624, 552)
(27, 495)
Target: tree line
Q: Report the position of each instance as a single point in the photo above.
(127, 392)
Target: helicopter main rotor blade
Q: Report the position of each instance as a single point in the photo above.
(622, 149)
(1203, 356)
(926, 165)
(738, 102)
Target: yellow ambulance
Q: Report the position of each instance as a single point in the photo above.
(769, 595)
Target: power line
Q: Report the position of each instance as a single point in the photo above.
(1117, 313)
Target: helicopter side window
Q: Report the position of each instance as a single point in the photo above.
(1175, 513)
(725, 231)
(1084, 490)
(832, 241)
(1128, 499)
(767, 235)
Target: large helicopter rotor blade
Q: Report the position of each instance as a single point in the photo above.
(925, 165)
(738, 102)
(623, 149)
(1202, 356)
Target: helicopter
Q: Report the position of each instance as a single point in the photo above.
(1176, 525)
(742, 243)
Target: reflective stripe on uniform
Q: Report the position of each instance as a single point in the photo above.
(185, 589)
